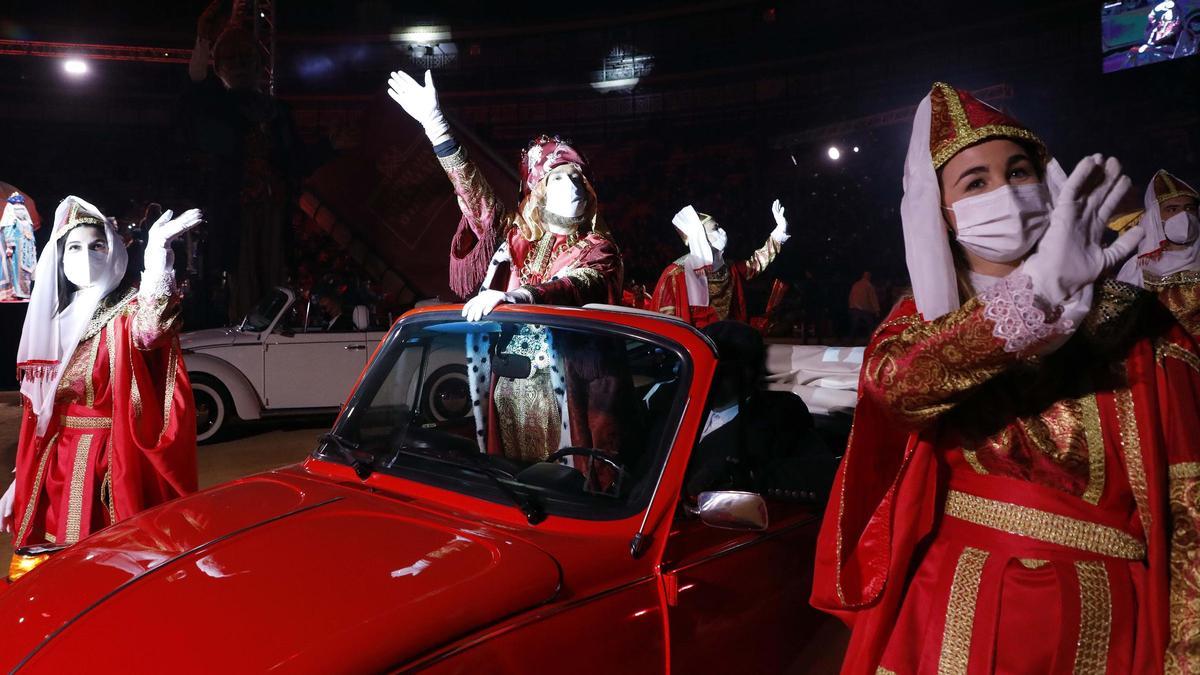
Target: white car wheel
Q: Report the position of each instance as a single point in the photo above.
(447, 394)
(213, 411)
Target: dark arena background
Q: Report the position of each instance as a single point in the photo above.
(724, 104)
(311, 176)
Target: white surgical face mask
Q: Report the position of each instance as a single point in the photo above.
(1004, 224)
(717, 239)
(84, 268)
(565, 197)
(1181, 228)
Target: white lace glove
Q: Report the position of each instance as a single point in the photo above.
(481, 305)
(1119, 251)
(421, 103)
(6, 507)
(160, 259)
(780, 233)
(1069, 257)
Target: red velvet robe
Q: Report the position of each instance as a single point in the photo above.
(671, 297)
(123, 436)
(556, 269)
(993, 516)
(725, 300)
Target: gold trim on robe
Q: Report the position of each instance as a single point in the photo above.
(36, 492)
(960, 612)
(1094, 438)
(75, 498)
(1095, 617)
(1131, 447)
(1183, 650)
(1044, 526)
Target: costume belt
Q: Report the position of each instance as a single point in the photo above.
(1039, 527)
(84, 417)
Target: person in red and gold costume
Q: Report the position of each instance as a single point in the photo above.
(1168, 260)
(1021, 489)
(552, 249)
(108, 427)
(701, 287)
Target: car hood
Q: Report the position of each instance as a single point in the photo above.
(274, 572)
(215, 337)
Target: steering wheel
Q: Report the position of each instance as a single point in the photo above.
(593, 453)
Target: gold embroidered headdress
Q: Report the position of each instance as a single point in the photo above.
(1167, 187)
(958, 120)
(77, 215)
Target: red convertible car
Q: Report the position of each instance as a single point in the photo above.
(409, 542)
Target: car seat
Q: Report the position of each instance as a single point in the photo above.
(361, 317)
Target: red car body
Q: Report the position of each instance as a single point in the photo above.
(310, 569)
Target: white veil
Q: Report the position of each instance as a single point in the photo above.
(49, 338)
(1150, 258)
(926, 236)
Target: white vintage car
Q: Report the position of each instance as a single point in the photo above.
(279, 362)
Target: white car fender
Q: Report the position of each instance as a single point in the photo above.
(245, 400)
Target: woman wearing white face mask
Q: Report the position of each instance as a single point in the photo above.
(1168, 260)
(109, 425)
(553, 248)
(1018, 494)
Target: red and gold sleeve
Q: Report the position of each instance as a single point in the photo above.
(1180, 294)
(1178, 367)
(919, 370)
(486, 215)
(762, 258)
(156, 314)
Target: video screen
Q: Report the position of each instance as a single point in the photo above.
(1140, 32)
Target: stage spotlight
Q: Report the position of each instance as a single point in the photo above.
(76, 67)
(856, 148)
(422, 35)
(834, 153)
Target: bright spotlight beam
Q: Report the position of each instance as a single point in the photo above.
(422, 35)
(75, 67)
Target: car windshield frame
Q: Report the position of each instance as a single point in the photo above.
(469, 481)
(267, 321)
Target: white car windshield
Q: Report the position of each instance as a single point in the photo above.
(570, 418)
(260, 317)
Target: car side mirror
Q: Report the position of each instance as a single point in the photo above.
(512, 366)
(732, 510)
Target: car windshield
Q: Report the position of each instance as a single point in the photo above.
(260, 317)
(571, 416)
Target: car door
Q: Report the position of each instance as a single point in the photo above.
(737, 601)
(312, 370)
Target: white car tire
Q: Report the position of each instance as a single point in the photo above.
(214, 409)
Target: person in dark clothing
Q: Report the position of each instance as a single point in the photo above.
(245, 159)
(336, 317)
(755, 440)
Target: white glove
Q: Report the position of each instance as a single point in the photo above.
(160, 259)
(1119, 251)
(6, 507)
(780, 233)
(420, 103)
(1069, 258)
(483, 304)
